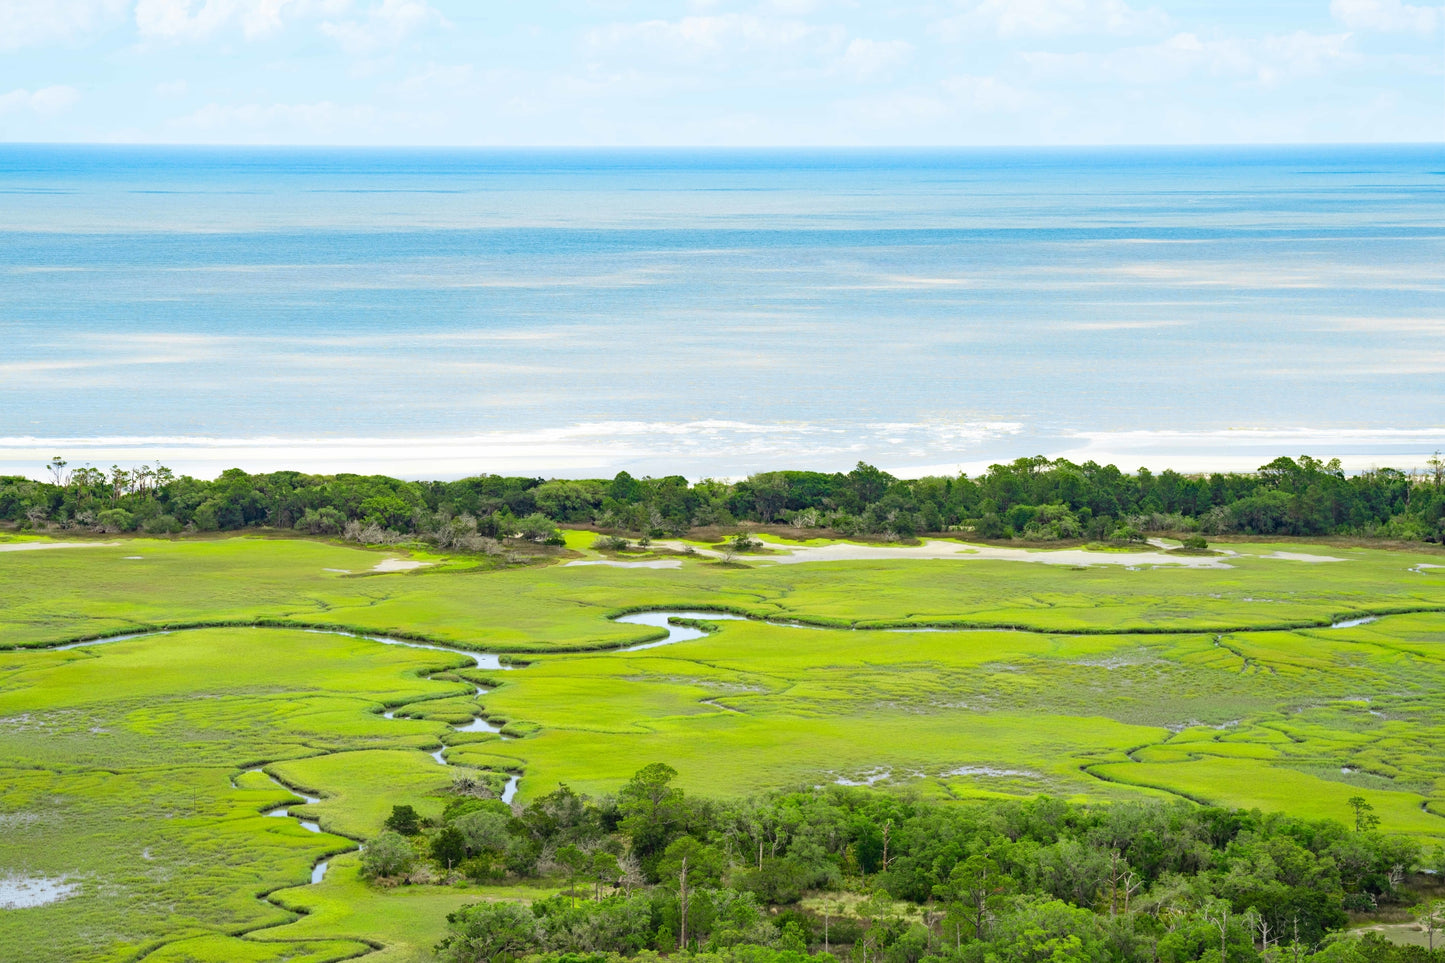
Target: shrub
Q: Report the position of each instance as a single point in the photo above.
(1125, 535)
(1159, 522)
(990, 526)
(370, 534)
(1196, 543)
(539, 528)
(485, 931)
(483, 831)
(389, 854)
(1217, 521)
(807, 518)
(114, 520)
(325, 521)
(162, 525)
(743, 542)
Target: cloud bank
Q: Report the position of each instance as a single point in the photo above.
(721, 72)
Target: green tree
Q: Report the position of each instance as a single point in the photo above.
(404, 820)
(604, 869)
(1049, 931)
(770, 493)
(688, 864)
(538, 528)
(975, 890)
(1430, 915)
(1365, 818)
(652, 810)
(575, 863)
(449, 847)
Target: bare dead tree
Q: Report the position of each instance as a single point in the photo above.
(630, 873)
(1218, 917)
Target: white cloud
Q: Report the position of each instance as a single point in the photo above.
(358, 31)
(383, 24)
(1019, 17)
(437, 78)
(25, 23)
(1299, 54)
(985, 93)
(1266, 61)
(1386, 15)
(274, 123)
(686, 39)
(867, 58)
(197, 19)
(954, 102)
(46, 100)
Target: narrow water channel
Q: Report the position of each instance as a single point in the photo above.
(318, 872)
(482, 660)
(675, 633)
(492, 662)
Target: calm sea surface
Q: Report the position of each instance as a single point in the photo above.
(447, 312)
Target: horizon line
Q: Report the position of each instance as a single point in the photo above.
(852, 148)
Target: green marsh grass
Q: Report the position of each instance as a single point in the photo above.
(126, 765)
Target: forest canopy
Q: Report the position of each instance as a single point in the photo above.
(902, 880)
(1036, 499)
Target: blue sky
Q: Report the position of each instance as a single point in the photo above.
(715, 72)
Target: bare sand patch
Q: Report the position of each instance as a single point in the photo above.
(398, 565)
(846, 552)
(41, 546)
(1303, 557)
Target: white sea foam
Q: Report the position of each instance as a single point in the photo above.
(713, 447)
(592, 448)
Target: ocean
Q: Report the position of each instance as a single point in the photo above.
(438, 313)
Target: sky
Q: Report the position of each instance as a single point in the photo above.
(718, 73)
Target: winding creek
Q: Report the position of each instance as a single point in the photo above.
(318, 872)
(659, 619)
(482, 660)
(33, 894)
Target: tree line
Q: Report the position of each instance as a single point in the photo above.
(1031, 498)
(872, 876)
